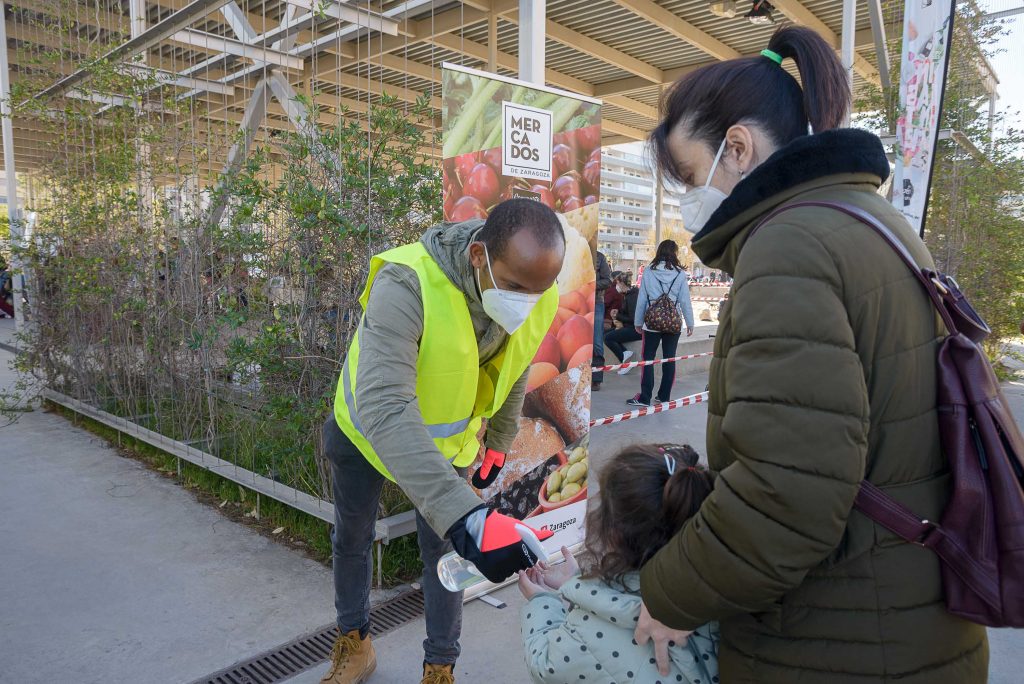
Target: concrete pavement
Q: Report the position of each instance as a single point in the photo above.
(111, 573)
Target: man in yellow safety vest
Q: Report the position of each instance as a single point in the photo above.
(449, 328)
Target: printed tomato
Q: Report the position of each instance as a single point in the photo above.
(468, 208)
(464, 164)
(566, 186)
(572, 204)
(545, 195)
(592, 177)
(588, 138)
(482, 184)
(577, 332)
(492, 157)
(563, 159)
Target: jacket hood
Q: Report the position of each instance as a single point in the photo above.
(838, 157)
(663, 275)
(448, 245)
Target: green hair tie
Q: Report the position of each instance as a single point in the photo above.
(772, 55)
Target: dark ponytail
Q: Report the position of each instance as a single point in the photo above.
(757, 90)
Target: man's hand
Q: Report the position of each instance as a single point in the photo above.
(488, 471)
(499, 546)
(649, 629)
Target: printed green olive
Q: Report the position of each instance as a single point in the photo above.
(577, 472)
(554, 482)
(570, 490)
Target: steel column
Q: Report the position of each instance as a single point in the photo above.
(10, 172)
(847, 41)
(881, 44)
(532, 38)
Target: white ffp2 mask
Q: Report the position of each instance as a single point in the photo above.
(698, 204)
(506, 308)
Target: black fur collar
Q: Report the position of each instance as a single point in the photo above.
(841, 151)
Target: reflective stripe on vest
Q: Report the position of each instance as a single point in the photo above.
(436, 430)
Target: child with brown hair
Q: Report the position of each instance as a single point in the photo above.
(647, 495)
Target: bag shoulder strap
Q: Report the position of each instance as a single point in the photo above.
(890, 238)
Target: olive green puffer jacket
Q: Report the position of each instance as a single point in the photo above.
(824, 374)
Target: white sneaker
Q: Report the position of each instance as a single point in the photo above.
(626, 356)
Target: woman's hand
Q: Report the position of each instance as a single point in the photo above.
(649, 629)
(639, 330)
(689, 332)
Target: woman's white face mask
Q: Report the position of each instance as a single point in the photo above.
(506, 308)
(698, 204)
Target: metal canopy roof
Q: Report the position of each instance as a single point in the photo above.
(622, 51)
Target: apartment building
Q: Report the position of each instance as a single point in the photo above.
(627, 235)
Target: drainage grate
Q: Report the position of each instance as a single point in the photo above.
(287, 660)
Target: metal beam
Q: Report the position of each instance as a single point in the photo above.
(237, 48)
(672, 23)
(360, 17)
(147, 39)
(251, 120)
(880, 41)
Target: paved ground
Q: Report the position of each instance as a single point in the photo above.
(110, 573)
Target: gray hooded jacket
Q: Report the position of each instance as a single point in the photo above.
(386, 383)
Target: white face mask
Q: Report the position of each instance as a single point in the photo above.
(506, 308)
(698, 204)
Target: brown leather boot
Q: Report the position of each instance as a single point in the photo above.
(438, 674)
(353, 660)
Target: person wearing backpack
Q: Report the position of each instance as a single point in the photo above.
(826, 373)
(662, 307)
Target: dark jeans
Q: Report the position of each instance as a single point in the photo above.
(614, 339)
(357, 486)
(668, 343)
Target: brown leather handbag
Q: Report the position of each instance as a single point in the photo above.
(980, 538)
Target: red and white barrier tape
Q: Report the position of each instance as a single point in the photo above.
(648, 410)
(708, 299)
(635, 364)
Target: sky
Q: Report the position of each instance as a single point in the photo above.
(1007, 65)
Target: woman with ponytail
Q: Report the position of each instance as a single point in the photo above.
(647, 495)
(824, 375)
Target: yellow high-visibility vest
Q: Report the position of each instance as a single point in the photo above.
(455, 392)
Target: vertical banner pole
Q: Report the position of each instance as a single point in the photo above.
(532, 35)
(13, 213)
(927, 35)
(847, 42)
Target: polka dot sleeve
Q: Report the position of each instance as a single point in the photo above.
(554, 651)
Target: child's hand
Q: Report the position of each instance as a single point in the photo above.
(553, 577)
(528, 587)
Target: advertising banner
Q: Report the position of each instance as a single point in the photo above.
(927, 31)
(504, 138)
